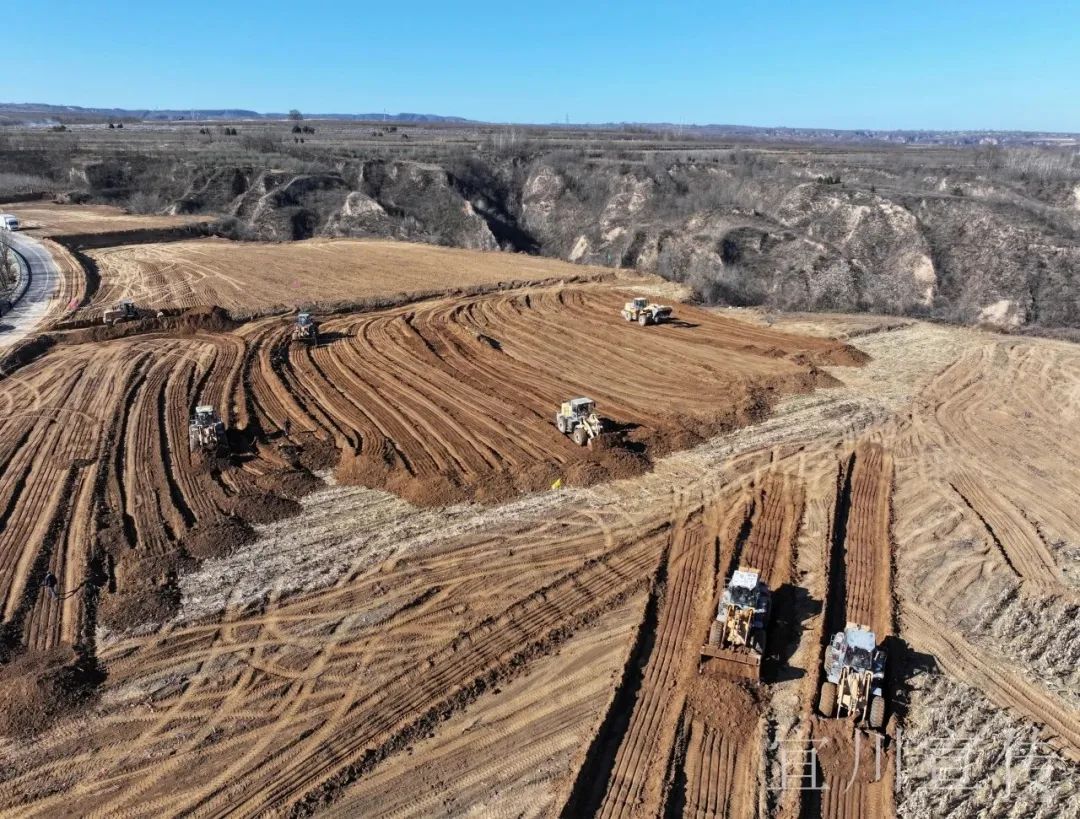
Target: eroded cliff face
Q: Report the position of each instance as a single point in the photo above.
(752, 230)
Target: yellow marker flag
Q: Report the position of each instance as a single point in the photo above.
(557, 484)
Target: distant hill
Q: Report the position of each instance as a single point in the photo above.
(33, 113)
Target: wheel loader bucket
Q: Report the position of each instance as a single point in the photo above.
(732, 663)
(605, 440)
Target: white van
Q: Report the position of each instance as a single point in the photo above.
(8, 222)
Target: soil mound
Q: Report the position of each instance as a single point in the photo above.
(725, 703)
(218, 539)
(846, 751)
(188, 322)
(611, 462)
(38, 687)
(290, 483)
(24, 353)
(142, 589)
(264, 508)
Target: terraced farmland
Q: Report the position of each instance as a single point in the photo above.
(374, 603)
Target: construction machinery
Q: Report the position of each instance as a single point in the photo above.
(306, 329)
(578, 419)
(645, 313)
(854, 677)
(206, 431)
(121, 311)
(737, 635)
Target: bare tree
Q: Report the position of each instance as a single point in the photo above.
(295, 115)
(7, 266)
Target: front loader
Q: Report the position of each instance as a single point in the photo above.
(737, 634)
(854, 677)
(206, 431)
(644, 312)
(121, 311)
(306, 329)
(578, 419)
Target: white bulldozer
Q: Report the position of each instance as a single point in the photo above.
(206, 431)
(854, 677)
(578, 419)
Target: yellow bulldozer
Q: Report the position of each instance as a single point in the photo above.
(737, 635)
(645, 313)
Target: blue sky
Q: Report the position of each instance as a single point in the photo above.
(946, 65)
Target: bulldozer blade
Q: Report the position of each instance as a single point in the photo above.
(604, 441)
(731, 663)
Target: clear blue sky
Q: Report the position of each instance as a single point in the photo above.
(950, 64)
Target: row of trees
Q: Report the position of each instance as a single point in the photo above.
(8, 269)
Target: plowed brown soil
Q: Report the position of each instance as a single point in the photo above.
(366, 656)
(105, 495)
(423, 410)
(250, 277)
(51, 219)
(857, 765)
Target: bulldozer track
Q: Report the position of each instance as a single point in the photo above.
(860, 592)
(549, 654)
(418, 405)
(639, 765)
(720, 771)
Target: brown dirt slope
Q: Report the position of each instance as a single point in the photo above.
(51, 219)
(246, 277)
(367, 639)
(421, 407)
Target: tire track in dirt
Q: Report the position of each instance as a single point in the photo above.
(1060, 724)
(720, 771)
(447, 679)
(636, 780)
(427, 411)
(860, 591)
(214, 722)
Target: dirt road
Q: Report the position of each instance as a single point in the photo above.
(37, 297)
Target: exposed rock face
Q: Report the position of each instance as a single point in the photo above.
(1002, 314)
(751, 228)
(426, 204)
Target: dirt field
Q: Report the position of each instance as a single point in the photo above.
(252, 277)
(328, 622)
(51, 219)
(404, 400)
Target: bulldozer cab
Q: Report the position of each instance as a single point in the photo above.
(205, 415)
(861, 645)
(304, 319)
(743, 588)
(640, 303)
(579, 407)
